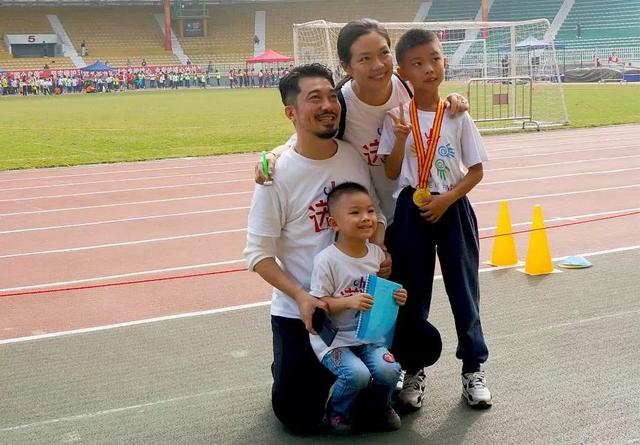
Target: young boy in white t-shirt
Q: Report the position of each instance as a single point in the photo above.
(338, 278)
(436, 166)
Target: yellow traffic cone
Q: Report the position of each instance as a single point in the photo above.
(538, 255)
(504, 245)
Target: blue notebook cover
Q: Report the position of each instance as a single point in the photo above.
(378, 324)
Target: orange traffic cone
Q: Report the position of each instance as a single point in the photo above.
(504, 246)
(538, 255)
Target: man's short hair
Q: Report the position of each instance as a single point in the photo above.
(413, 38)
(345, 188)
(290, 84)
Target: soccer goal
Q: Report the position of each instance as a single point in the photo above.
(508, 70)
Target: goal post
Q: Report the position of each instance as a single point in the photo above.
(508, 70)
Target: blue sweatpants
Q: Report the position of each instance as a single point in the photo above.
(412, 242)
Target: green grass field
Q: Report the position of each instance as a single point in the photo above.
(71, 130)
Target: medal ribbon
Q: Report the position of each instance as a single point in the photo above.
(425, 156)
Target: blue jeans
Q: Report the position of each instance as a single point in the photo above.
(354, 367)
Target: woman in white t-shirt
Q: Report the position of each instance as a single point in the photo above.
(367, 93)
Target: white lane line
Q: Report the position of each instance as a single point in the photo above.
(551, 164)
(577, 192)
(102, 192)
(110, 172)
(242, 307)
(568, 218)
(107, 181)
(32, 212)
(567, 175)
(150, 201)
(555, 153)
(125, 243)
(231, 209)
(119, 276)
(112, 221)
(515, 144)
(136, 322)
(83, 416)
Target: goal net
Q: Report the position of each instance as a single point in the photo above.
(508, 70)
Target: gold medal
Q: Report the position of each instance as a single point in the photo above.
(421, 196)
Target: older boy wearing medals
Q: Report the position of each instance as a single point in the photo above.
(433, 212)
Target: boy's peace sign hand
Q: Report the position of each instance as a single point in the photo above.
(400, 128)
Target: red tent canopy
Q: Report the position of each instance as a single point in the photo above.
(269, 56)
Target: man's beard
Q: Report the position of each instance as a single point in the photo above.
(327, 134)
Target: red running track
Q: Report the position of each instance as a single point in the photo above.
(95, 225)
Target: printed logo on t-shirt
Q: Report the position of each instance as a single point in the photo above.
(358, 285)
(442, 169)
(319, 211)
(370, 153)
(446, 151)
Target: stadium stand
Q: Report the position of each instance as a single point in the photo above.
(281, 17)
(609, 24)
(449, 10)
(231, 27)
(116, 33)
(119, 34)
(230, 39)
(27, 21)
(506, 10)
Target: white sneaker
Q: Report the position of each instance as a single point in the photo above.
(413, 388)
(400, 381)
(474, 389)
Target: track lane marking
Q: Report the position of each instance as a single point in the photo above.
(244, 306)
(113, 221)
(103, 192)
(107, 181)
(125, 275)
(103, 206)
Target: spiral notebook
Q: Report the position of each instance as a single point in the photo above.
(378, 324)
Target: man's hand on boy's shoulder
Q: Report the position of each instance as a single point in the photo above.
(436, 206)
(456, 103)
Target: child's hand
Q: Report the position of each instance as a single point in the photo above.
(400, 296)
(433, 210)
(361, 302)
(400, 128)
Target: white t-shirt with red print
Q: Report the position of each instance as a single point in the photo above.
(363, 128)
(293, 211)
(459, 147)
(336, 274)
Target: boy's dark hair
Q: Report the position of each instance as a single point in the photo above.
(345, 188)
(290, 84)
(413, 38)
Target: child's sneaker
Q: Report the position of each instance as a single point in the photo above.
(413, 388)
(340, 425)
(474, 389)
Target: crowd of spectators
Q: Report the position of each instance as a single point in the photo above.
(252, 78)
(51, 84)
